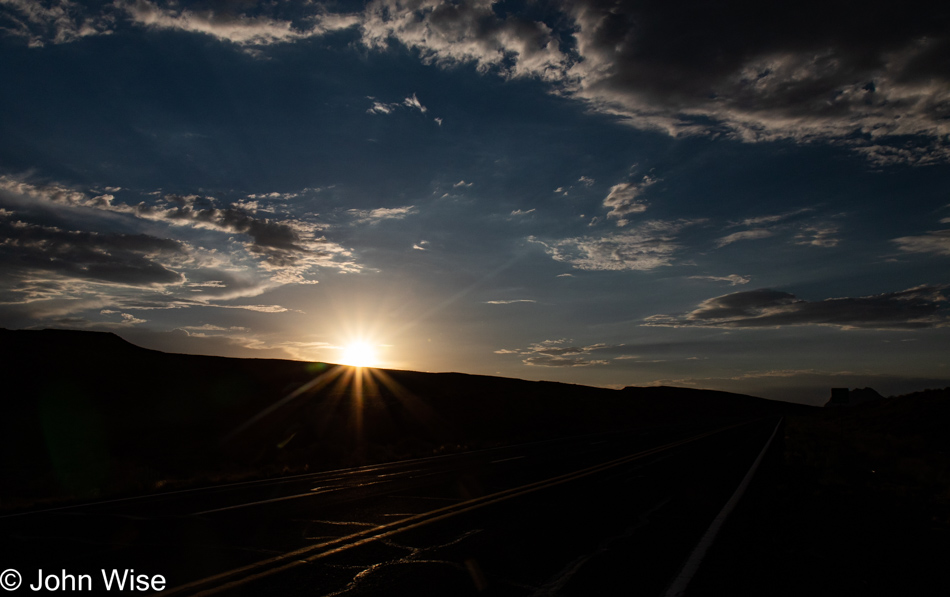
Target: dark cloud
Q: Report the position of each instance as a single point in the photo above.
(872, 76)
(130, 259)
(921, 307)
(60, 244)
(280, 243)
(787, 68)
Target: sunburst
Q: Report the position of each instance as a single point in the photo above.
(359, 354)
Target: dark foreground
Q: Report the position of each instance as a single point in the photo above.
(257, 477)
(602, 514)
(859, 504)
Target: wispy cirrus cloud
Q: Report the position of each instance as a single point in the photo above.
(646, 246)
(733, 279)
(808, 230)
(559, 353)
(374, 216)
(915, 308)
(935, 241)
(818, 236)
(754, 234)
(771, 219)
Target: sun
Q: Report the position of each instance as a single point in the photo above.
(359, 354)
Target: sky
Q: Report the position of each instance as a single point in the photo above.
(744, 196)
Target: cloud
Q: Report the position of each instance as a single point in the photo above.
(237, 28)
(846, 73)
(509, 302)
(818, 236)
(647, 246)
(920, 307)
(411, 102)
(920, 152)
(54, 21)
(380, 108)
(282, 244)
(520, 212)
(67, 252)
(125, 322)
(935, 241)
(759, 221)
(753, 234)
(213, 328)
(125, 259)
(733, 279)
(462, 183)
(129, 319)
(256, 308)
(812, 232)
(622, 200)
(374, 216)
(558, 353)
(586, 181)
(872, 80)
(449, 34)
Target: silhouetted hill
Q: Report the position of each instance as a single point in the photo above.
(71, 344)
(672, 401)
(862, 395)
(918, 419)
(87, 412)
